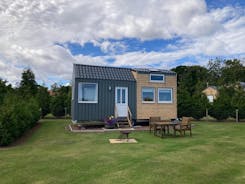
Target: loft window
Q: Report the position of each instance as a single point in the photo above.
(165, 95)
(157, 78)
(87, 92)
(148, 95)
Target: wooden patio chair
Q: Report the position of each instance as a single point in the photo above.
(153, 120)
(185, 125)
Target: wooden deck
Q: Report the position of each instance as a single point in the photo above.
(101, 130)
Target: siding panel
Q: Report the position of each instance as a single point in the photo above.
(106, 100)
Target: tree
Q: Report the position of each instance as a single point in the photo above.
(57, 106)
(61, 100)
(233, 72)
(199, 104)
(193, 106)
(43, 99)
(16, 116)
(221, 108)
(238, 102)
(215, 71)
(191, 80)
(4, 90)
(28, 85)
(184, 103)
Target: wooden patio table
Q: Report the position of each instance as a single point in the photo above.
(163, 124)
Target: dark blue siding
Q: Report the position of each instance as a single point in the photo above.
(106, 100)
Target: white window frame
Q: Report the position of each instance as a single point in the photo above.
(166, 102)
(96, 92)
(158, 81)
(153, 95)
(210, 98)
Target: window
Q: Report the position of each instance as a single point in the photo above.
(157, 78)
(121, 95)
(87, 92)
(165, 95)
(210, 98)
(148, 95)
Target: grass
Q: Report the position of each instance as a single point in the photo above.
(215, 154)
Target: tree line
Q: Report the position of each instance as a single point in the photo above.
(23, 106)
(226, 75)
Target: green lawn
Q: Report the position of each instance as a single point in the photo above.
(215, 154)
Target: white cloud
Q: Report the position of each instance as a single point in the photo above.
(110, 47)
(29, 31)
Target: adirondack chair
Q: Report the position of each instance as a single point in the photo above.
(153, 120)
(185, 125)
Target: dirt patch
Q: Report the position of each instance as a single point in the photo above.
(119, 141)
(24, 137)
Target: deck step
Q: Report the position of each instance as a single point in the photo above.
(122, 122)
(122, 119)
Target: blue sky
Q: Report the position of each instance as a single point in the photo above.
(153, 45)
(49, 37)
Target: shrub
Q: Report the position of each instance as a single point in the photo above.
(191, 106)
(57, 106)
(221, 108)
(43, 99)
(17, 116)
(198, 108)
(238, 102)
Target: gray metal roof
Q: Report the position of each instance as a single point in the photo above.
(154, 70)
(214, 87)
(102, 72)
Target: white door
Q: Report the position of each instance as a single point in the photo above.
(121, 101)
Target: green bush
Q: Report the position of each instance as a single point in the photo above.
(16, 116)
(191, 106)
(43, 99)
(238, 102)
(221, 108)
(57, 106)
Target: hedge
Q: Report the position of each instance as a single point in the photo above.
(16, 117)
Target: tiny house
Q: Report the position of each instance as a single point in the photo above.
(101, 91)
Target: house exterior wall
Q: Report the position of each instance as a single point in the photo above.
(211, 92)
(106, 100)
(164, 110)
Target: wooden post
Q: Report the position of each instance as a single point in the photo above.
(237, 118)
(206, 112)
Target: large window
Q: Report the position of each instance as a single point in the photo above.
(148, 95)
(87, 92)
(156, 78)
(165, 95)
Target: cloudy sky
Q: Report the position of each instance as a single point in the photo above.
(48, 36)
